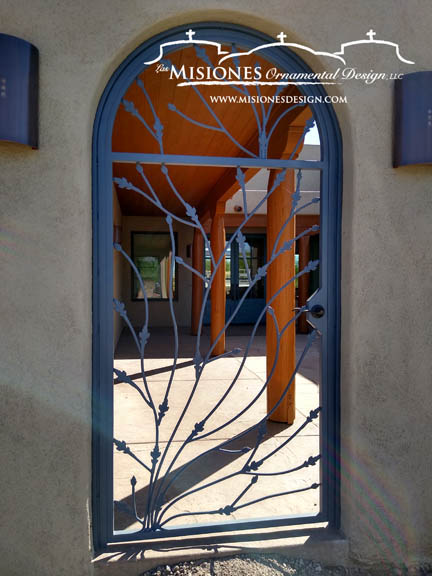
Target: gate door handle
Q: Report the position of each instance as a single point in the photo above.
(317, 311)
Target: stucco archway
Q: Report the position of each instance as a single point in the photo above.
(103, 157)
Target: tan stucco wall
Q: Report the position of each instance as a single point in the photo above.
(46, 277)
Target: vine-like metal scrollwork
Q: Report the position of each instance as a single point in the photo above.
(160, 467)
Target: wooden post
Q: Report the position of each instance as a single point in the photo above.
(197, 283)
(217, 295)
(279, 273)
(303, 282)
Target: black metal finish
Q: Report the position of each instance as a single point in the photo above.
(19, 79)
(413, 119)
(317, 311)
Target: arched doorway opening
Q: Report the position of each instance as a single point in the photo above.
(200, 166)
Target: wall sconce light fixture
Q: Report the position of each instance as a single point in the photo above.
(412, 138)
(19, 88)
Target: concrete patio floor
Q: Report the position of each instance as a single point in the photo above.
(134, 424)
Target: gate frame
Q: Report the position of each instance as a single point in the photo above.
(102, 316)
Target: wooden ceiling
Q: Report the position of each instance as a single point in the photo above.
(198, 185)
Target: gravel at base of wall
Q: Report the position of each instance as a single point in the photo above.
(274, 565)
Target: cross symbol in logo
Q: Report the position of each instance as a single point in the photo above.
(282, 37)
(189, 34)
(371, 34)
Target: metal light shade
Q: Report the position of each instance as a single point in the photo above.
(19, 63)
(413, 119)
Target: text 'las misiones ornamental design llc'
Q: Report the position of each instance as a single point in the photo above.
(229, 69)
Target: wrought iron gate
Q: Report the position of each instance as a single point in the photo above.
(252, 459)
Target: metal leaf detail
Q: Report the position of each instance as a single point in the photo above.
(155, 453)
(123, 183)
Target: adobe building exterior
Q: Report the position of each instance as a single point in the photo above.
(46, 286)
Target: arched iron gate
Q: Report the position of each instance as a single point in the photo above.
(158, 516)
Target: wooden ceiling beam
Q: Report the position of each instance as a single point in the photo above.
(227, 185)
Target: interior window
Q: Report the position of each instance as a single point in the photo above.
(152, 255)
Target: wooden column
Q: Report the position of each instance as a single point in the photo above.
(197, 283)
(217, 295)
(303, 282)
(279, 273)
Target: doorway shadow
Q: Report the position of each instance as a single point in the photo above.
(161, 342)
(161, 346)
